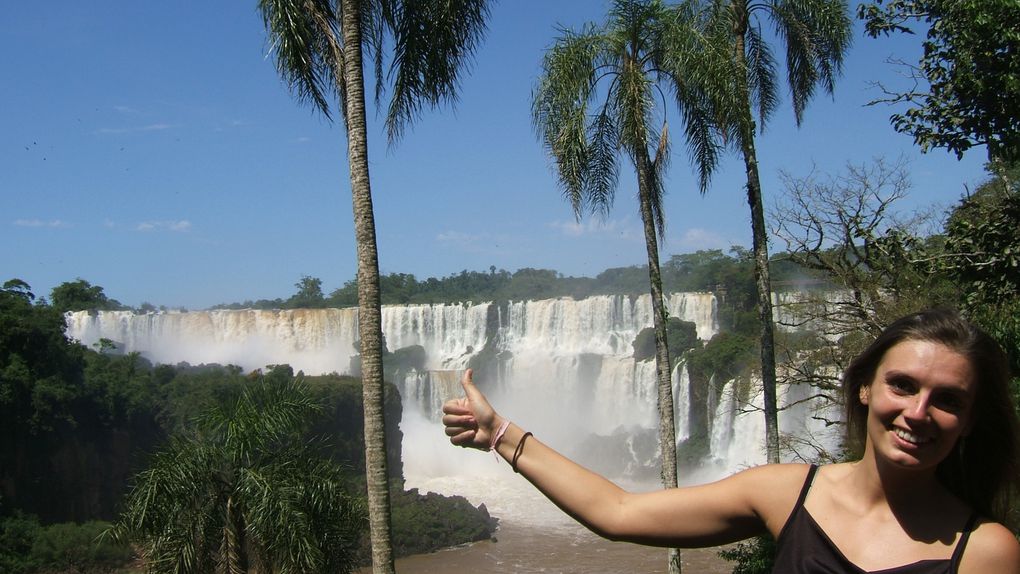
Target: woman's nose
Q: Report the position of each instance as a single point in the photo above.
(918, 408)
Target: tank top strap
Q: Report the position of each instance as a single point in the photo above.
(964, 537)
(807, 486)
(791, 520)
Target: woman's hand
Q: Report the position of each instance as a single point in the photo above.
(470, 421)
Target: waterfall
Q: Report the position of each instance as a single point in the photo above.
(562, 368)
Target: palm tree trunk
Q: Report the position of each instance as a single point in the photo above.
(667, 426)
(369, 303)
(760, 249)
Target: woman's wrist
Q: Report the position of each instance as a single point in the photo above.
(500, 426)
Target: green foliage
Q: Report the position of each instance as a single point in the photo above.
(970, 68)
(26, 547)
(70, 547)
(80, 295)
(40, 371)
(724, 357)
(681, 337)
(731, 277)
(309, 294)
(423, 523)
(753, 557)
(17, 535)
(984, 259)
(982, 237)
(253, 488)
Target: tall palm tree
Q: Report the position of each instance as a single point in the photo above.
(602, 93)
(246, 491)
(319, 52)
(815, 34)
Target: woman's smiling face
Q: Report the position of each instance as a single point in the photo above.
(919, 403)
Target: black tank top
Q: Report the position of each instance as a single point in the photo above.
(804, 548)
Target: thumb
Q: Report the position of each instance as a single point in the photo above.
(470, 390)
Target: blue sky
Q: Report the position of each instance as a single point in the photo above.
(152, 149)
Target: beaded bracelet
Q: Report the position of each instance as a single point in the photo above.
(518, 451)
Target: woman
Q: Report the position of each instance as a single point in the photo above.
(929, 405)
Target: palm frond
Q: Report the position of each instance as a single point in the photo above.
(432, 43)
(304, 37)
(817, 35)
(696, 68)
(602, 166)
(761, 77)
(560, 108)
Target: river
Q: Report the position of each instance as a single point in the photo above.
(523, 549)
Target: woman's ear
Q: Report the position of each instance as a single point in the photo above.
(865, 394)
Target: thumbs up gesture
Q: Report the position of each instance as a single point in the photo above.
(470, 421)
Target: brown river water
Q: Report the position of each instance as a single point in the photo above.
(527, 549)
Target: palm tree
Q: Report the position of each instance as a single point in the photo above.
(601, 93)
(318, 46)
(245, 492)
(816, 34)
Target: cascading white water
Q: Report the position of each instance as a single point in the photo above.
(565, 371)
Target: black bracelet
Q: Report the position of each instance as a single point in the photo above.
(518, 451)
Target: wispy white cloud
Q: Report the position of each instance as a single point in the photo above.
(40, 223)
(180, 226)
(135, 129)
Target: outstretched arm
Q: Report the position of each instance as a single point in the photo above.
(732, 509)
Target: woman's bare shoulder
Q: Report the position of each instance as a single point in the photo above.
(773, 490)
(991, 548)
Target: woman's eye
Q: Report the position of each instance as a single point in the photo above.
(900, 385)
(949, 402)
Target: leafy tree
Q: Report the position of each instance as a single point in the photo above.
(309, 294)
(318, 47)
(246, 491)
(983, 259)
(80, 295)
(967, 82)
(40, 376)
(815, 35)
(19, 288)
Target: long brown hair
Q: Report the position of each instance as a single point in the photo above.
(982, 467)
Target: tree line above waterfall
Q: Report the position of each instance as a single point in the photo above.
(705, 270)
